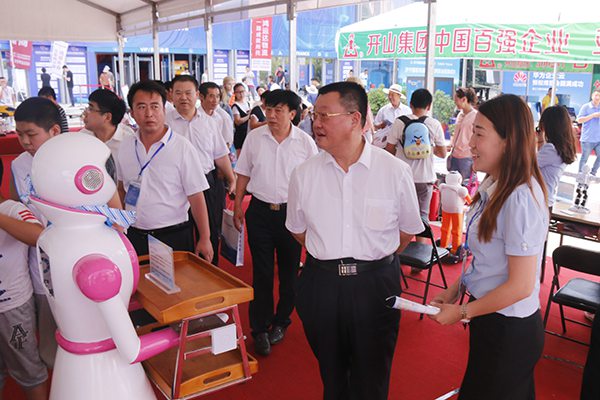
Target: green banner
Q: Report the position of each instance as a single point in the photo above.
(539, 42)
(540, 66)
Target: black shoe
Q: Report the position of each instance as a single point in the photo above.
(261, 344)
(277, 334)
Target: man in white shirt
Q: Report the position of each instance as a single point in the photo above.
(353, 206)
(102, 119)
(210, 98)
(203, 132)
(159, 178)
(7, 94)
(423, 171)
(389, 113)
(270, 154)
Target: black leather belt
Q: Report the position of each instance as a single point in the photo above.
(349, 266)
(270, 206)
(173, 228)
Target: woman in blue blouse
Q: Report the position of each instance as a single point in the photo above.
(506, 229)
(556, 147)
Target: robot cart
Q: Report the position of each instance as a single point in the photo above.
(192, 369)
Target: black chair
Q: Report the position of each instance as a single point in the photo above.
(580, 293)
(424, 256)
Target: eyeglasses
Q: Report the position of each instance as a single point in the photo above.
(315, 115)
(239, 91)
(92, 109)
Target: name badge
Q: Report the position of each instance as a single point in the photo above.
(133, 192)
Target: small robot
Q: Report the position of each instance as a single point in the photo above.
(454, 196)
(581, 193)
(90, 272)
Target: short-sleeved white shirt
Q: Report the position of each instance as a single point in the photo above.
(221, 118)
(521, 229)
(358, 213)
(21, 170)
(174, 174)
(269, 164)
(15, 283)
(203, 133)
(389, 113)
(114, 143)
(423, 171)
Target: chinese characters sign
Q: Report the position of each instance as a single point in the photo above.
(546, 42)
(260, 43)
(540, 66)
(20, 51)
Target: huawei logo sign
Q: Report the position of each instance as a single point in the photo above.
(520, 77)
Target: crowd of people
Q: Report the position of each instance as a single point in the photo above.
(351, 188)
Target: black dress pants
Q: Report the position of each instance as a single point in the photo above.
(503, 352)
(590, 387)
(351, 331)
(179, 237)
(215, 202)
(267, 236)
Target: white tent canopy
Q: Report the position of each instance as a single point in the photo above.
(103, 20)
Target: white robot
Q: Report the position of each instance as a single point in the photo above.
(90, 272)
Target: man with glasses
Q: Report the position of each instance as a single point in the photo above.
(352, 206)
(102, 119)
(270, 154)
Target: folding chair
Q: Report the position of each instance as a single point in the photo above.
(580, 293)
(424, 256)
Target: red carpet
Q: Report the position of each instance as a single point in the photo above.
(429, 360)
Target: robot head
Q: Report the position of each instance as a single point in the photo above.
(69, 170)
(453, 178)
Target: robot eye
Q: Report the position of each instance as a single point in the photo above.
(89, 179)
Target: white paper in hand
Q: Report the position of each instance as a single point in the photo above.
(403, 304)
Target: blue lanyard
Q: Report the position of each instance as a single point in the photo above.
(143, 167)
(477, 213)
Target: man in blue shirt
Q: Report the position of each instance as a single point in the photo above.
(589, 116)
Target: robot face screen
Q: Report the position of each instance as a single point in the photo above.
(89, 179)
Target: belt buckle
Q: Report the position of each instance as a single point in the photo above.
(274, 207)
(347, 269)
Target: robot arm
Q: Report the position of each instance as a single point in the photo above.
(99, 279)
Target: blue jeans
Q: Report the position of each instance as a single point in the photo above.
(586, 150)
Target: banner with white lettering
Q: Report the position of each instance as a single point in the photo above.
(261, 43)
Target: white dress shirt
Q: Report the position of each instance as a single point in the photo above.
(358, 213)
(203, 133)
(225, 122)
(167, 182)
(114, 143)
(269, 164)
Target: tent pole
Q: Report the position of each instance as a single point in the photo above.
(121, 61)
(463, 80)
(394, 70)
(155, 42)
(554, 79)
(430, 58)
(208, 28)
(293, 73)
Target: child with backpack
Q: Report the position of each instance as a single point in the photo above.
(415, 139)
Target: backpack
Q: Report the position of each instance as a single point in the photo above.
(415, 138)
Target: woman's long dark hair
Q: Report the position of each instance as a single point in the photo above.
(557, 126)
(512, 120)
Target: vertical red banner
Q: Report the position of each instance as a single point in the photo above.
(260, 43)
(21, 53)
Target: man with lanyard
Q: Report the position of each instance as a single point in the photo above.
(158, 178)
(351, 225)
(589, 116)
(203, 133)
(270, 154)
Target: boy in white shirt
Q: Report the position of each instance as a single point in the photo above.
(19, 354)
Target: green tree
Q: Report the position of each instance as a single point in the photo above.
(377, 99)
(443, 107)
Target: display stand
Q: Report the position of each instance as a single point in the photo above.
(192, 369)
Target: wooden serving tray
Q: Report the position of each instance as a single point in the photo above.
(200, 374)
(204, 288)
